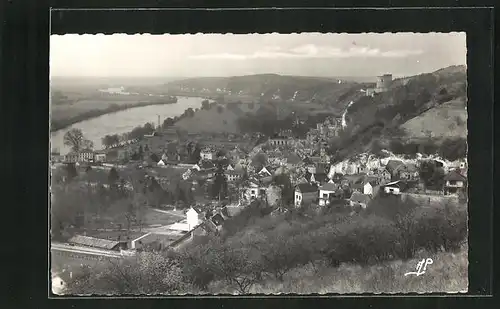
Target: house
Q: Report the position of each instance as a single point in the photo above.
(205, 165)
(278, 140)
(97, 243)
(266, 171)
(73, 157)
(395, 187)
(304, 193)
(208, 153)
(454, 182)
(384, 176)
(409, 171)
(100, 156)
(234, 175)
(393, 167)
(326, 192)
(318, 178)
(193, 217)
(364, 187)
(253, 190)
(359, 199)
(350, 180)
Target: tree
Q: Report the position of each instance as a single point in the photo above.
(287, 191)
(154, 157)
(431, 175)
(235, 264)
(145, 273)
(113, 176)
(205, 105)
(168, 122)
(260, 159)
(71, 171)
(75, 139)
(219, 187)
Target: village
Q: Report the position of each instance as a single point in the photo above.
(281, 171)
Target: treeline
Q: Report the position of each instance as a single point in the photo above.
(188, 113)
(136, 133)
(256, 247)
(112, 108)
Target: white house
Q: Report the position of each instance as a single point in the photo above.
(193, 218)
(253, 190)
(208, 154)
(304, 193)
(234, 175)
(161, 163)
(326, 191)
(394, 187)
(365, 187)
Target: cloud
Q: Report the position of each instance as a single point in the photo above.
(311, 51)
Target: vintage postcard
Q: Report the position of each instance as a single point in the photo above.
(223, 164)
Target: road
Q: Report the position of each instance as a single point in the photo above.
(168, 212)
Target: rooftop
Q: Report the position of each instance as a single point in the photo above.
(360, 198)
(328, 187)
(93, 242)
(306, 188)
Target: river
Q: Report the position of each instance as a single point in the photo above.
(123, 121)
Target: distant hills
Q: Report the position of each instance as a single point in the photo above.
(268, 87)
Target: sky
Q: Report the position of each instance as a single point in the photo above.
(306, 54)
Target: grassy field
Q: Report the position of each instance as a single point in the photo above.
(446, 120)
(448, 273)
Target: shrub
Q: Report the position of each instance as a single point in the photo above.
(365, 240)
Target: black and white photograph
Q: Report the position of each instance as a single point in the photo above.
(269, 164)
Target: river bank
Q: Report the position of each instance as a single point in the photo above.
(123, 121)
(56, 125)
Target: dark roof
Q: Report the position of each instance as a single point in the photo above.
(354, 178)
(455, 176)
(217, 219)
(206, 165)
(393, 165)
(321, 177)
(360, 198)
(93, 242)
(306, 188)
(328, 187)
(235, 172)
